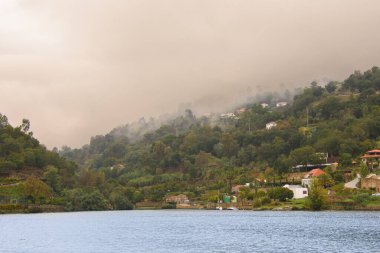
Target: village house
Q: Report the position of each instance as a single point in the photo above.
(299, 192)
(371, 158)
(229, 115)
(307, 180)
(264, 105)
(178, 199)
(372, 181)
(270, 125)
(281, 104)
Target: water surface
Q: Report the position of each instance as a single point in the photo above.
(191, 231)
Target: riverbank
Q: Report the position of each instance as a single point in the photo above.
(335, 204)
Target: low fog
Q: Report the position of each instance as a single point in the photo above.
(77, 68)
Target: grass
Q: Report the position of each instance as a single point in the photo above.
(11, 191)
(293, 204)
(374, 202)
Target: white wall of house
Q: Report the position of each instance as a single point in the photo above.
(306, 182)
(270, 125)
(299, 192)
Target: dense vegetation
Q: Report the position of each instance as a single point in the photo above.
(201, 156)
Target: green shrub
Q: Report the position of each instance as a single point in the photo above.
(256, 202)
(171, 205)
(361, 198)
(265, 200)
(280, 193)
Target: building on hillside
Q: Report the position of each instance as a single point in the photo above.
(237, 188)
(372, 181)
(118, 166)
(229, 115)
(372, 158)
(270, 125)
(307, 180)
(241, 110)
(264, 105)
(299, 192)
(178, 199)
(281, 104)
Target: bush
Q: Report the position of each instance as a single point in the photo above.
(280, 193)
(361, 198)
(120, 201)
(317, 199)
(10, 207)
(256, 202)
(84, 200)
(171, 205)
(265, 201)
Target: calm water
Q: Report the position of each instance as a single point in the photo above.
(191, 231)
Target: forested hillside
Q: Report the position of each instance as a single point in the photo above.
(192, 156)
(29, 173)
(197, 156)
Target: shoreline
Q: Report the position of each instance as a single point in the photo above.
(25, 211)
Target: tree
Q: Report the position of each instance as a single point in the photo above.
(36, 190)
(201, 160)
(331, 87)
(230, 146)
(304, 155)
(317, 199)
(326, 180)
(245, 193)
(84, 200)
(52, 178)
(280, 193)
(119, 200)
(364, 170)
(3, 120)
(25, 125)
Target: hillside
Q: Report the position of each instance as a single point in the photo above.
(194, 156)
(201, 156)
(29, 173)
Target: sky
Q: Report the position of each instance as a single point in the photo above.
(78, 68)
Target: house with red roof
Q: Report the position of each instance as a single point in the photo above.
(372, 158)
(307, 180)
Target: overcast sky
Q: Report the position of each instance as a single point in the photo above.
(77, 68)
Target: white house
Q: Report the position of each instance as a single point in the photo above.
(281, 104)
(270, 125)
(229, 115)
(264, 105)
(308, 179)
(299, 192)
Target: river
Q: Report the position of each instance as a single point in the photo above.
(190, 231)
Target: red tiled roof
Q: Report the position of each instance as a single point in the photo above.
(370, 156)
(316, 172)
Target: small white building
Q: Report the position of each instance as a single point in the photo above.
(308, 178)
(229, 115)
(270, 125)
(299, 192)
(281, 104)
(264, 105)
